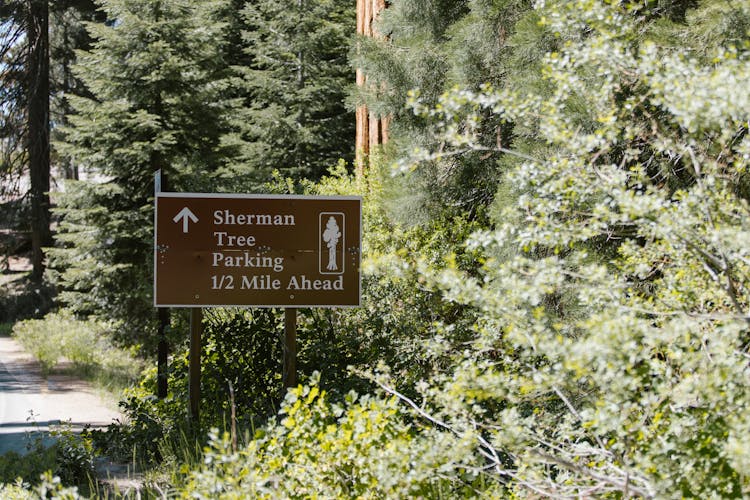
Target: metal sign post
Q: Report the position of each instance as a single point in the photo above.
(290, 348)
(162, 354)
(194, 368)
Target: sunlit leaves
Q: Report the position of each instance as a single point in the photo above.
(619, 325)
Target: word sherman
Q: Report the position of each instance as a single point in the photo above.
(228, 218)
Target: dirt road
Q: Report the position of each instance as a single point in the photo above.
(31, 404)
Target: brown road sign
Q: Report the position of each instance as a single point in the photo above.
(247, 250)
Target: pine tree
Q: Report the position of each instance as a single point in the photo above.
(31, 51)
(154, 76)
(431, 47)
(25, 110)
(296, 118)
(68, 34)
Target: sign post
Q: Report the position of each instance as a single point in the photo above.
(194, 367)
(289, 375)
(162, 350)
(162, 355)
(216, 250)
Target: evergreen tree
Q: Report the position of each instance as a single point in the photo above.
(296, 118)
(637, 131)
(154, 75)
(68, 34)
(25, 109)
(432, 47)
(31, 51)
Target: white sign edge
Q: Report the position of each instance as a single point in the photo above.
(156, 243)
(170, 194)
(265, 306)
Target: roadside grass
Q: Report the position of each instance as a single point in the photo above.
(63, 344)
(81, 348)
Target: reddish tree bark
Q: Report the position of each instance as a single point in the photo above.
(371, 130)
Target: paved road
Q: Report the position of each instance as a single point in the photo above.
(31, 404)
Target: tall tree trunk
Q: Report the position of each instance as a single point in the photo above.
(371, 130)
(301, 119)
(38, 131)
(68, 168)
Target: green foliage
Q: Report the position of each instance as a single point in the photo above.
(240, 366)
(434, 47)
(74, 457)
(295, 119)
(86, 344)
(41, 341)
(585, 335)
(15, 492)
(154, 79)
(52, 487)
(29, 467)
(402, 323)
(149, 422)
(609, 368)
(70, 458)
(22, 299)
(102, 250)
(358, 449)
(241, 354)
(241, 358)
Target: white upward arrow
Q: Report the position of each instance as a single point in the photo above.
(186, 215)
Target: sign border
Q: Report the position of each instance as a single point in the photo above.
(172, 194)
(175, 194)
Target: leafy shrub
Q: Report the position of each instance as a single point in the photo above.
(70, 458)
(30, 466)
(148, 423)
(74, 456)
(116, 369)
(50, 486)
(361, 448)
(43, 339)
(241, 350)
(610, 356)
(22, 299)
(6, 329)
(16, 491)
(84, 343)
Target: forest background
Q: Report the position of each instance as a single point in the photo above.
(556, 246)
